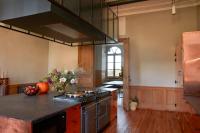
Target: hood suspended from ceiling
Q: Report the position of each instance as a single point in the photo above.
(69, 22)
(112, 3)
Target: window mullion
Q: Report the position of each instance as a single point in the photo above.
(114, 66)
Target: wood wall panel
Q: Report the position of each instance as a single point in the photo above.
(145, 97)
(161, 98)
(86, 61)
(99, 77)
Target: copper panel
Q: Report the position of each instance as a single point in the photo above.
(191, 58)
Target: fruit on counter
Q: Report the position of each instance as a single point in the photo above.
(31, 90)
(43, 87)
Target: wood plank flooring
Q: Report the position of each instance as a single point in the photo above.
(151, 121)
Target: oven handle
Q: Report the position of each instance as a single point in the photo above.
(89, 105)
(107, 98)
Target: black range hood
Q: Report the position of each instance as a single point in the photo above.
(122, 2)
(69, 21)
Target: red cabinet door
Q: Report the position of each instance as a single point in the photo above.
(73, 119)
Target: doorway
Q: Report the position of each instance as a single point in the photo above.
(112, 68)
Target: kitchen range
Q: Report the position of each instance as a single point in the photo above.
(95, 108)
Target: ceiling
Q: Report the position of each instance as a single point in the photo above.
(153, 6)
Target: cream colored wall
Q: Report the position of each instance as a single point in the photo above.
(23, 57)
(27, 59)
(62, 57)
(153, 39)
(122, 26)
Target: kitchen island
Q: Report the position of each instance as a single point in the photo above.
(84, 111)
(18, 113)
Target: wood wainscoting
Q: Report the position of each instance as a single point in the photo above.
(161, 98)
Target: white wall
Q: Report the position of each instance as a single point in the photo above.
(23, 57)
(62, 57)
(153, 39)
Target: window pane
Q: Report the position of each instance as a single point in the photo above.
(117, 72)
(110, 58)
(110, 73)
(118, 58)
(118, 51)
(114, 50)
(111, 51)
(110, 66)
(118, 66)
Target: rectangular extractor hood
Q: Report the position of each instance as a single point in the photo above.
(69, 21)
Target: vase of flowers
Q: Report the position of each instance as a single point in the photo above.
(62, 81)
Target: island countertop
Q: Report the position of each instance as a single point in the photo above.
(32, 108)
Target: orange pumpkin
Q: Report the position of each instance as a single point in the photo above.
(43, 87)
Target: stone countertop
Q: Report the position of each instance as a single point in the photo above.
(32, 108)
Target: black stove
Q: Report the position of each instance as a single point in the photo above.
(95, 108)
(85, 97)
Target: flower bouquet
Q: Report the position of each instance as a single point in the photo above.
(62, 81)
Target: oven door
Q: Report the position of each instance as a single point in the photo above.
(54, 124)
(89, 118)
(103, 113)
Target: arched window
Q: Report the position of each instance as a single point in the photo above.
(114, 62)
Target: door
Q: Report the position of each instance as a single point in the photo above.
(125, 42)
(179, 66)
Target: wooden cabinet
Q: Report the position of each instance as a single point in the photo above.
(113, 113)
(86, 61)
(73, 119)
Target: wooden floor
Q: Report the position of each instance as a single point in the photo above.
(150, 121)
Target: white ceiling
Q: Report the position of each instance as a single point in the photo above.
(153, 6)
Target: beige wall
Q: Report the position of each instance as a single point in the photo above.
(62, 57)
(23, 57)
(28, 59)
(122, 26)
(153, 39)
